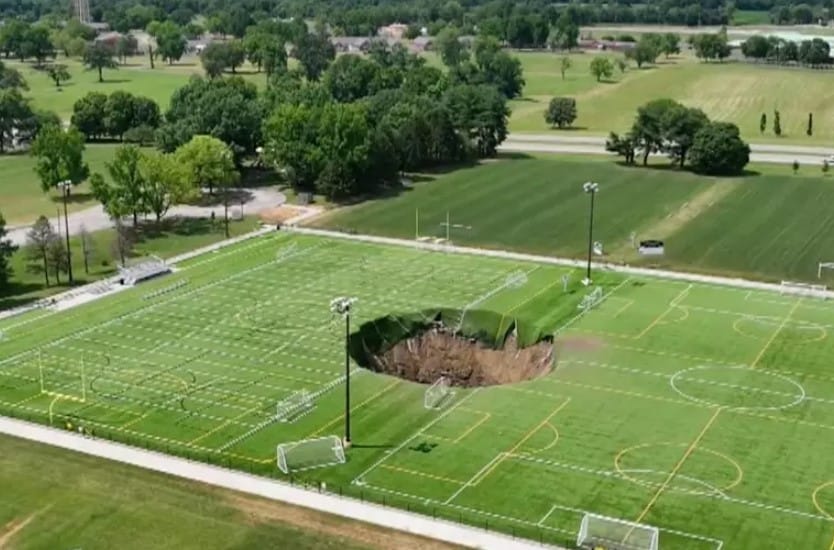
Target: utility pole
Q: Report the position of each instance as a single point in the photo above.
(591, 188)
(65, 189)
(342, 306)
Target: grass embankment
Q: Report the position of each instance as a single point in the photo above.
(174, 236)
(56, 498)
(766, 226)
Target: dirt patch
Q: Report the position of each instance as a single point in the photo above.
(259, 511)
(11, 529)
(279, 214)
(465, 361)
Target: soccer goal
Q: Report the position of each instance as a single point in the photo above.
(62, 377)
(438, 394)
(615, 534)
(803, 289)
(309, 454)
(823, 266)
(591, 300)
(294, 407)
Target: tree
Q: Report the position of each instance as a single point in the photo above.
(209, 162)
(12, 34)
(235, 54)
(37, 44)
(448, 44)
(711, 46)
(762, 123)
(214, 59)
(564, 64)
(314, 53)
(15, 113)
(561, 112)
(170, 42)
(126, 47)
(671, 44)
(777, 124)
(58, 73)
(87, 247)
(814, 52)
(87, 115)
(680, 125)
(165, 182)
(127, 182)
(99, 56)
(625, 146)
(11, 78)
(795, 167)
(118, 113)
(756, 47)
(274, 58)
(719, 150)
(57, 259)
(145, 113)
(59, 157)
(810, 129)
(124, 241)
(826, 166)
(601, 67)
(648, 128)
(565, 35)
(351, 77)
(622, 64)
(498, 68)
(479, 113)
(6, 251)
(38, 240)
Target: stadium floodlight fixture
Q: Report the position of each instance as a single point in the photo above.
(65, 186)
(343, 306)
(591, 188)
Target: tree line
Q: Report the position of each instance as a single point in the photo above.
(771, 48)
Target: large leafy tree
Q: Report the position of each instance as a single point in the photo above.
(351, 77)
(227, 109)
(648, 128)
(36, 44)
(498, 68)
(314, 52)
(88, 115)
(99, 56)
(6, 251)
(59, 156)
(214, 59)
(11, 78)
(58, 73)
(561, 112)
(565, 34)
(170, 41)
(12, 35)
(118, 113)
(680, 125)
(480, 114)
(601, 67)
(448, 44)
(719, 150)
(165, 182)
(38, 240)
(15, 114)
(209, 162)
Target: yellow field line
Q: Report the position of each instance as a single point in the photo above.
(672, 305)
(679, 465)
(521, 442)
(421, 474)
(359, 406)
(775, 334)
(484, 418)
(628, 303)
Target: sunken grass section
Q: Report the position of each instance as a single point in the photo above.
(705, 411)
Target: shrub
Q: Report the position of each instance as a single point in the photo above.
(719, 150)
(561, 112)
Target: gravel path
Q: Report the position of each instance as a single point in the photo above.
(94, 218)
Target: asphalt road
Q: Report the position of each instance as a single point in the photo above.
(594, 145)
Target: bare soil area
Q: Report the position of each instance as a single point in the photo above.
(466, 362)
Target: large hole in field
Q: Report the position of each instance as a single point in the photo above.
(472, 348)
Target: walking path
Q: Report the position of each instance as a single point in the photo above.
(94, 218)
(391, 518)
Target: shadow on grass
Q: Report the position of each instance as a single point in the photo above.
(669, 167)
(76, 197)
(568, 128)
(253, 177)
(236, 196)
(115, 81)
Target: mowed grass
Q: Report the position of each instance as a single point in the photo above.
(705, 411)
(21, 197)
(732, 92)
(54, 498)
(747, 226)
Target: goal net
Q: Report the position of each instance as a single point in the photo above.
(308, 454)
(296, 405)
(438, 394)
(803, 289)
(615, 534)
(591, 299)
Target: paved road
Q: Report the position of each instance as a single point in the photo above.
(772, 153)
(94, 218)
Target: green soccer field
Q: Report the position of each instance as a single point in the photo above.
(704, 411)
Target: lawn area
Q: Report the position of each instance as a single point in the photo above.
(751, 17)
(54, 498)
(21, 198)
(175, 236)
(703, 411)
(739, 226)
(733, 92)
(135, 76)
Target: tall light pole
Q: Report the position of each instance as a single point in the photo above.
(342, 306)
(590, 188)
(65, 189)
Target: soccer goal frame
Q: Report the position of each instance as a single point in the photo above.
(597, 531)
(824, 265)
(294, 406)
(803, 289)
(438, 394)
(310, 454)
(591, 299)
(69, 381)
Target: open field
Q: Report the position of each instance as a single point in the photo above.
(705, 411)
(745, 226)
(21, 198)
(44, 505)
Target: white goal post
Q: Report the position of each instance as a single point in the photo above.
(824, 265)
(438, 393)
(598, 531)
(591, 300)
(296, 405)
(308, 454)
(803, 289)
